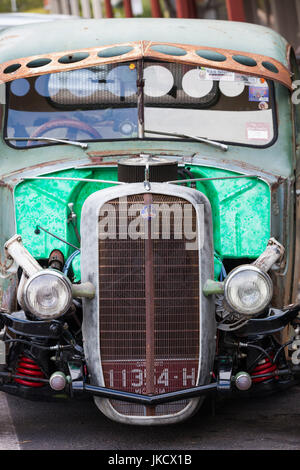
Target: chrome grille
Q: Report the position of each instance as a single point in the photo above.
(148, 308)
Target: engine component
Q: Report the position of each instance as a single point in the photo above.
(248, 290)
(29, 368)
(56, 260)
(132, 170)
(48, 294)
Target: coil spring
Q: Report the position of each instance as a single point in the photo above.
(29, 368)
(265, 367)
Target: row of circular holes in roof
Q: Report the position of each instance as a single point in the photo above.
(121, 50)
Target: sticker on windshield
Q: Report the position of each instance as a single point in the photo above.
(206, 73)
(257, 131)
(258, 93)
(248, 80)
(263, 105)
(215, 74)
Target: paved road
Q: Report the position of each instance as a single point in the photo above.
(269, 423)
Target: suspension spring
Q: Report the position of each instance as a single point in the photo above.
(27, 367)
(264, 367)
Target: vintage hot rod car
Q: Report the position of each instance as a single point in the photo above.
(149, 214)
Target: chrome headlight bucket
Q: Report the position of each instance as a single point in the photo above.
(48, 294)
(248, 290)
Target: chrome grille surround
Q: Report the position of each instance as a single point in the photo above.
(90, 272)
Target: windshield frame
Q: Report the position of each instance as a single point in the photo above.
(140, 112)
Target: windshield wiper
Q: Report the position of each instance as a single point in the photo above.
(194, 137)
(51, 139)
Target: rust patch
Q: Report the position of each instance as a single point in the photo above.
(100, 161)
(7, 38)
(18, 173)
(19, 68)
(280, 180)
(98, 157)
(249, 167)
(3, 184)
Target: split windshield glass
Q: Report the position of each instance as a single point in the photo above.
(112, 102)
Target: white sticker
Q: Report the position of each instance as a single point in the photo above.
(194, 85)
(257, 131)
(231, 89)
(216, 74)
(158, 81)
(207, 73)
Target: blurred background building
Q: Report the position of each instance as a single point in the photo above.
(281, 15)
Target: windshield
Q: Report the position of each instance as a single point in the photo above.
(126, 101)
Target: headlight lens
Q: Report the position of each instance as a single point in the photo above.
(48, 294)
(248, 290)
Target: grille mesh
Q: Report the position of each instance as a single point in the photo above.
(149, 305)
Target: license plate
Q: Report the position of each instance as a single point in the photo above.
(169, 375)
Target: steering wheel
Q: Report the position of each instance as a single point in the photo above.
(65, 123)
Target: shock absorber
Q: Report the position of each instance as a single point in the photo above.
(27, 367)
(265, 366)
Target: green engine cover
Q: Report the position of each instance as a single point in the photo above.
(240, 209)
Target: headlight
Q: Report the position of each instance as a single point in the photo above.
(248, 290)
(48, 294)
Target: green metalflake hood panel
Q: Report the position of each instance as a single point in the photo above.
(240, 208)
